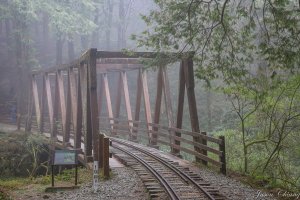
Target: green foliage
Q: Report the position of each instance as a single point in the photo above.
(252, 49)
(13, 183)
(229, 38)
(22, 155)
(70, 17)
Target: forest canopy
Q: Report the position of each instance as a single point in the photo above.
(249, 51)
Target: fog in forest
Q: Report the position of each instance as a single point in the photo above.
(36, 35)
(244, 55)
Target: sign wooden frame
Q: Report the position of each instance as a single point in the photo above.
(64, 158)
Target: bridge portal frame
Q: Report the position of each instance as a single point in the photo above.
(77, 102)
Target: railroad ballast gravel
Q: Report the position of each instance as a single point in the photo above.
(124, 185)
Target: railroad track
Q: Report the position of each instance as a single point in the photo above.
(163, 178)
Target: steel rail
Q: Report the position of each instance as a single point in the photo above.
(180, 173)
(172, 194)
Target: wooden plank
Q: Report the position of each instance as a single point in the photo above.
(49, 100)
(105, 68)
(196, 134)
(110, 54)
(199, 156)
(94, 102)
(62, 100)
(108, 100)
(201, 146)
(36, 102)
(122, 61)
(157, 103)
(147, 102)
(127, 100)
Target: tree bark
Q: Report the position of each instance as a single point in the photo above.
(109, 23)
(95, 35)
(45, 46)
(121, 26)
(71, 51)
(59, 50)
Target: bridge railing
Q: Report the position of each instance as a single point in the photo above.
(178, 141)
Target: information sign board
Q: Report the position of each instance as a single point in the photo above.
(65, 157)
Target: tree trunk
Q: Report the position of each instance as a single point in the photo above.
(121, 26)
(109, 23)
(45, 46)
(8, 36)
(95, 36)
(71, 51)
(208, 101)
(59, 50)
(84, 42)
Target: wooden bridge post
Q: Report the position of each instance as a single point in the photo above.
(181, 92)
(127, 102)
(29, 109)
(36, 102)
(108, 102)
(118, 102)
(55, 109)
(137, 104)
(223, 156)
(88, 138)
(86, 115)
(190, 86)
(168, 103)
(147, 104)
(106, 157)
(93, 101)
(49, 100)
(157, 105)
(66, 139)
(62, 103)
(73, 95)
(43, 99)
(79, 111)
(100, 148)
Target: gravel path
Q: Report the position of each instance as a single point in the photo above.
(124, 185)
